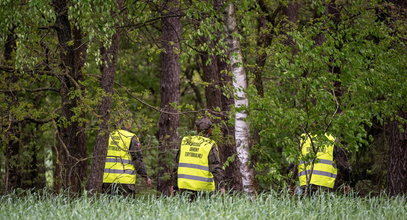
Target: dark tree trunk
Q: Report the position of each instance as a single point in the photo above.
(265, 36)
(334, 15)
(108, 68)
(22, 170)
(10, 46)
(211, 76)
(189, 74)
(215, 77)
(31, 158)
(12, 178)
(291, 13)
(263, 41)
(170, 93)
(37, 166)
(227, 148)
(397, 172)
(71, 150)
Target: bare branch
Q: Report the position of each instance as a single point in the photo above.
(28, 90)
(148, 22)
(130, 93)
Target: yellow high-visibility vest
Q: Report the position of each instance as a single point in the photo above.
(324, 171)
(119, 167)
(193, 166)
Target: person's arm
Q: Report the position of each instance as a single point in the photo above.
(137, 158)
(216, 169)
(174, 175)
(341, 159)
(293, 169)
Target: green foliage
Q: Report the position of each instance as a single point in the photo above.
(35, 65)
(355, 76)
(304, 91)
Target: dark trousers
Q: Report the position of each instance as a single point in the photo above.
(118, 189)
(192, 195)
(314, 189)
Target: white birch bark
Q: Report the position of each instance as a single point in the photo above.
(241, 100)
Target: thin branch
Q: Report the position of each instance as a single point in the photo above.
(29, 90)
(9, 69)
(51, 27)
(129, 92)
(145, 23)
(335, 112)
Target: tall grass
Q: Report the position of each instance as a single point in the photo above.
(264, 206)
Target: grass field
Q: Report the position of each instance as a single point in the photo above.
(264, 206)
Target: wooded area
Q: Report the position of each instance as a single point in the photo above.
(264, 71)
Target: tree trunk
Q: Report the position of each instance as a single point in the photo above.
(12, 177)
(265, 36)
(71, 149)
(215, 99)
(291, 13)
(241, 101)
(189, 72)
(170, 93)
(10, 46)
(397, 172)
(108, 69)
(262, 42)
(227, 146)
(31, 160)
(211, 76)
(37, 165)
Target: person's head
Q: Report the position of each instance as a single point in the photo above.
(204, 126)
(126, 122)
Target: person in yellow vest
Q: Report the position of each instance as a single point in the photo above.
(199, 168)
(124, 160)
(327, 176)
(318, 169)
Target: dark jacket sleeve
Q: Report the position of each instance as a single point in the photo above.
(174, 175)
(293, 169)
(215, 167)
(137, 157)
(342, 163)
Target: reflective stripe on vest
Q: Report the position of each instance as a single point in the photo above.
(329, 162)
(118, 165)
(119, 171)
(317, 172)
(118, 160)
(323, 169)
(185, 176)
(193, 164)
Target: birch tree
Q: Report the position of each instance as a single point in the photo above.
(241, 102)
